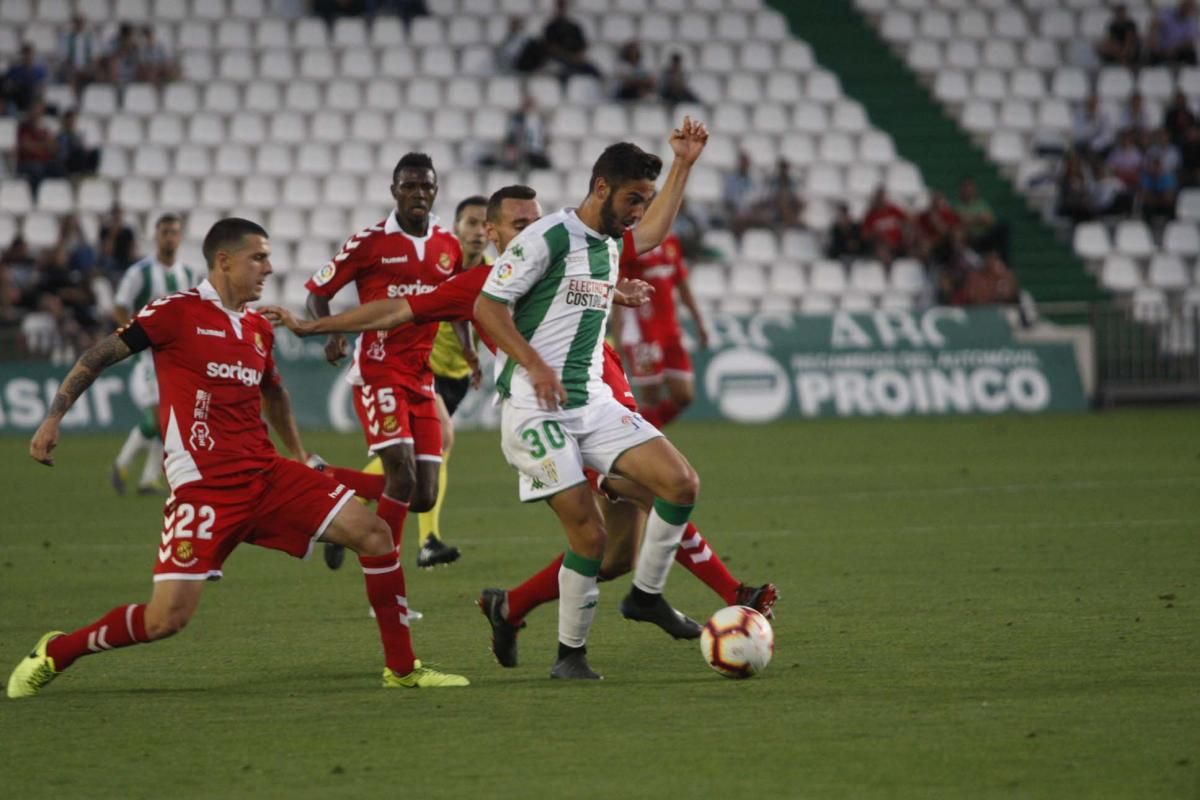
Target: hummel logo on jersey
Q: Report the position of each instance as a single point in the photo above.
(210, 332)
(247, 375)
(408, 289)
(338, 490)
(396, 260)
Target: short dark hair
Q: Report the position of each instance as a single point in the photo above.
(473, 200)
(167, 219)
(227, 233)
(412, 161)
(624, 162)
(514, 192)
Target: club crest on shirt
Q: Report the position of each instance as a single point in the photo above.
(325, 274)
(259, 347)
(445, 264)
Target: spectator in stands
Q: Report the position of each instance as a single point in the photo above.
(1092, 132)
(1157, 187)
(1109, 194)
(37, 151)
(1125, 160)
(78, 54)
(407, 10)
(524, 145)
(20, 268)
(742, 195)
(673, 86)
(331, 10)
(1075, 190)
(885, 228)
(123, 61)
(155, 62)
(75, 158)
(1121, 43)
(784, 204)
(1173, 35)
(25, 80)
(631, 79)
(520, 51)
(991, 284)
(845, 236)
(566, 44)
(118, 243)
(690, 224)
(1189, 156)
(1135, 118)
(65, 273)
(984, 231)
(954, 261)
(933, 225)
(1178, 117)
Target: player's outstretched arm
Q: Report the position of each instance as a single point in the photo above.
(687, 142)
(96, 359)
(336, 348)
(494, 319)
(277, 408)
(377, 315)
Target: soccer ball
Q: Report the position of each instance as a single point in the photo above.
(737, 642)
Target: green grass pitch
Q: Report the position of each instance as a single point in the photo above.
(971, 608)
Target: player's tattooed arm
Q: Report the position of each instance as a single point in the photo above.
(96, 359)
(277, 408)
(687, 142)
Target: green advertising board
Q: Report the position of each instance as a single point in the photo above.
(759, 368)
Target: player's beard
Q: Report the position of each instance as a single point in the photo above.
(609, 224)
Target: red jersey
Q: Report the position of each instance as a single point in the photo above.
(664, 269)
(887, 223)
(454, 301)
(212, 364)
(385, 263)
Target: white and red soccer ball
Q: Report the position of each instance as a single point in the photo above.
(737, 642)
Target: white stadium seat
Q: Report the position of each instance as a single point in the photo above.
(1120, 274)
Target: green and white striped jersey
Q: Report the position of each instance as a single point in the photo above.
(559, 276)
(148, 280)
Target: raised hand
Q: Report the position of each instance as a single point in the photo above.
(633, 293)
(687, 141)
(45, 439)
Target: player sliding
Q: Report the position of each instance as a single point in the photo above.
(217, 376)
(511, 210)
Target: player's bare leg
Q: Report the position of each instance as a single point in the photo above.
(578, 594)
(400, 479)
(433, 550)
(370, 537)
(663, 470)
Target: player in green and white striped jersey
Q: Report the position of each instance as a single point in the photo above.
(149, 279)
(558, 415)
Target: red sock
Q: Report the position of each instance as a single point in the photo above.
(541, 588)
(393, 512)
(661, 413)
(700, 560)
(121, 627)
(364, 484)
(385, 592)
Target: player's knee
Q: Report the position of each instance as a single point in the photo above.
(423, 499)
(166, 623)
(683, 394)
(684, 486)
(376, 539)
(399, 480)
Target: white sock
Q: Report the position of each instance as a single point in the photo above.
(153, 467)
(664, 531)
(134, 443)
(578, 596)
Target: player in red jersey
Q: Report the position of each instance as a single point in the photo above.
(510, 211)
(216, 378)
(656, 349)
(405, 255)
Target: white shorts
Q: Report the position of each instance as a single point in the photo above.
(143, 384)
(550, 448)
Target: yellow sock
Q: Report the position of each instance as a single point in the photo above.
(373, 467)
(431, 520)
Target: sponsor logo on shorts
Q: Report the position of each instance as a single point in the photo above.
(409, 289)
(394, 260)
(635, 420)
(238, 371)
(325, 274)
(211, 332)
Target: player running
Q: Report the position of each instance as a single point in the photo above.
(217, 377)
(405, 255)
(149, 279)
(655, 348)
(511, 210)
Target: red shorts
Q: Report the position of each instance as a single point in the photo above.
(394, 414)
(286, 507)
(614, 376)
(657, 358)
